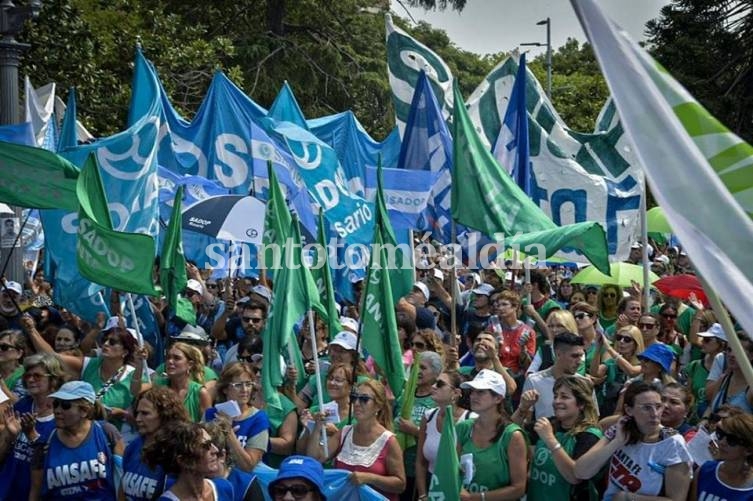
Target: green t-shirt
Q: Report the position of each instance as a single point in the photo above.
(191, 402)
(697, 373)
(491, 464)
(276, 418)
(545, 482)
(14, 379)
(118, 394)
(209, 373)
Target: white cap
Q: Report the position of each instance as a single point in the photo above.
(487, 379)
(661, 259)
(346, 339)
(195, 286)
(423, 288)
(112, 322)
(14, 286)
(438, 274)
(484, 290)
(349, 323)
(262, 291)
(716, 331)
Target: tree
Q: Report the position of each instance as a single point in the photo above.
(708, 46)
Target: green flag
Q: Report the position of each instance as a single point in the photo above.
(378, 323)
(172, 274)
(323, 279)
(276, 220)
(406, 407)
(401, 278)
(294, 294)
(111, 258)
(445, 482)
(36, 178)
(486, 198)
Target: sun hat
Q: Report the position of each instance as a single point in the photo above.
(346, 339)
(304, 467)
(75, 390)
(659, 353)
(716, 330)
(487, 379)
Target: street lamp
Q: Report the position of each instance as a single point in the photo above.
(12, 19)
(548, 46)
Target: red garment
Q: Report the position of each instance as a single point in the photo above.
(511, 345)
(379, 465)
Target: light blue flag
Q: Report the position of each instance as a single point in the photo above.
(285, 108)
(427, 146)
(68, 137)
(512, 148)
(406, 193)
(348, 213)
(22, 133)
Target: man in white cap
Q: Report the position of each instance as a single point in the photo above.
(418, 295)
(10, 295)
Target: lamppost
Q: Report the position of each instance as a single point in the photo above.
(548, 46)
(12, 19)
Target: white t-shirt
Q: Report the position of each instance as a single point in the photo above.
(639, 468)
(717, 367)
(543, 382)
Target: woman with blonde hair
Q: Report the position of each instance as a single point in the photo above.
(248, 433)
(613, 366)
(557, 322)
(184, 366)
(561, 440)
(607, 300)
(13, 347)
(368, 448)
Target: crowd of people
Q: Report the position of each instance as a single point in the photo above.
(558, 390)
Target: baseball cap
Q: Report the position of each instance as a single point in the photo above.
(75, 390)
(346, 339)
(195, 286)
(423, 288)
(264, 292)
(484, 290)
(304, 467)
(349, 323)
(438, 274)
(111, 323)
(717, 331)
(487, 379)
(10, 285)
(660, 354)
(192, 334)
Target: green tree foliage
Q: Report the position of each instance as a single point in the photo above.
(708, 46)
(578, 88)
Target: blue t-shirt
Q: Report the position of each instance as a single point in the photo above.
(243, 482)
(711, 489)
(15, 474)
(244, 428)
(222, 488)
(140, 483)
(85, 473)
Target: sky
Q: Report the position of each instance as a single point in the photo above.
(491, 26)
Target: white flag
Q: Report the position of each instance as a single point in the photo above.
(667, 126)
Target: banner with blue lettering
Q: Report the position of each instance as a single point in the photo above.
(406, 193)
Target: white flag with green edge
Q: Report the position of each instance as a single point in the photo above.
(578, 176)
(406, 57)
(701, 173)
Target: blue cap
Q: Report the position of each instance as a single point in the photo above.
(661, 354)
(303, 467)
(75, 390)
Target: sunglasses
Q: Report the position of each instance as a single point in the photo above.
(668, 315)
(714, 418)
(439, 384)
(241, 384)
(609, 294)
(298, 491)
(581, 315)
(7, 347)
(360, 398)
(252, 320)
(190, 293)
(110, 341)
(646, 326)
(63, 404)
(624, 339)
(35, 376)
(732, 440)
(708, 339)
(212, 286)
(418, 345)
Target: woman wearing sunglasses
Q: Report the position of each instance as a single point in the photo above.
(13, 347)
(445, 391)
(112, 373)
(733, 388)
(187, 452)
(27, 422)
(607, 300)
(614, 365)
(731, 475)
(368, 448)
(155, 408)
(248, 433)
(646, 461)
(78, 459)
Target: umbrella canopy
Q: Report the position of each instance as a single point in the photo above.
(622, 274)
(657, 221)
(682, 286)
(228, 217)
